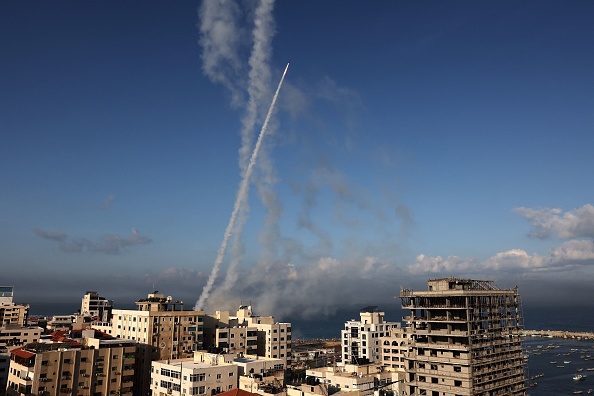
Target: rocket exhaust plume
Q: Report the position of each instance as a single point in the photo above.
(241, 197)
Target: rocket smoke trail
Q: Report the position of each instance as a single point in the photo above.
(241, 197)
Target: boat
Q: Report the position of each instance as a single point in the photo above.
(553, 362)
(578, 392)
(533, 384)
(567, 361)
(590, 369)
(590, 390)
(578, 377)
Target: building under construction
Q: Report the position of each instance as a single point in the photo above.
(465, 339)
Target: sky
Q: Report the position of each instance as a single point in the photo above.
(409, 141)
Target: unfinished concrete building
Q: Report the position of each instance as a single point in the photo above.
(465, 339)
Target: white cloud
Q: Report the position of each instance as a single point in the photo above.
(569, 255)
(578, 223)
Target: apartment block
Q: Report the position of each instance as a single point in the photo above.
(98, 307)
(464, 339)
(162, 323)
(14, 336)
(11, 313)
(249, 333)
(88, 363)
(372, 339)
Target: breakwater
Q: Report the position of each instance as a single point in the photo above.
(576, 335)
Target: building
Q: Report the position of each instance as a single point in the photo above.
(163, 329)
(248, 333)
(365, 341)
(88, 363)
(365, 379)
(161, 323)
(14, 336)
(465, 339)
(11, 313)
(204, 374)
(96, 306)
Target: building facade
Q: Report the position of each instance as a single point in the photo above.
(367, 340)
(249, 333)
(11, 313)
(94, 305)
(464, 339)
(93, 363)
(204, 374)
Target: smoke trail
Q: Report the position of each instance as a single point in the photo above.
(241, 196)
(258, 89)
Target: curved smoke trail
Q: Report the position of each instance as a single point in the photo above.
(241, 196)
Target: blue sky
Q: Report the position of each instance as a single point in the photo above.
(409, 141)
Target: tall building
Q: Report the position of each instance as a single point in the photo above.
(94, 305)
(163, 329)
(465, 339)
(89, 363)
(249, 333)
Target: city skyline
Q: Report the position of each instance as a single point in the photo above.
(410, 141)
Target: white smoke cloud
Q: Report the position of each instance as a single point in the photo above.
(577, 223)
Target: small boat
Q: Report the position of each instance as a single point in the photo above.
(578, 377)
(580, 369)
(560, 366)
(567, 361)
(590, 369)
(578, 392)
(553, 362)
(533, 384)
(590, 390)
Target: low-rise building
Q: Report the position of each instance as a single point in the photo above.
(204, 374)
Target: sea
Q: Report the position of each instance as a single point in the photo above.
(550, 379)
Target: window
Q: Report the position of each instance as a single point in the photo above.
(457, 383)
(457, 369)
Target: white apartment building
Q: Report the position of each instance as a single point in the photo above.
(204, 374)
(367, 340)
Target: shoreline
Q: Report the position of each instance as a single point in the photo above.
(576, 335)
